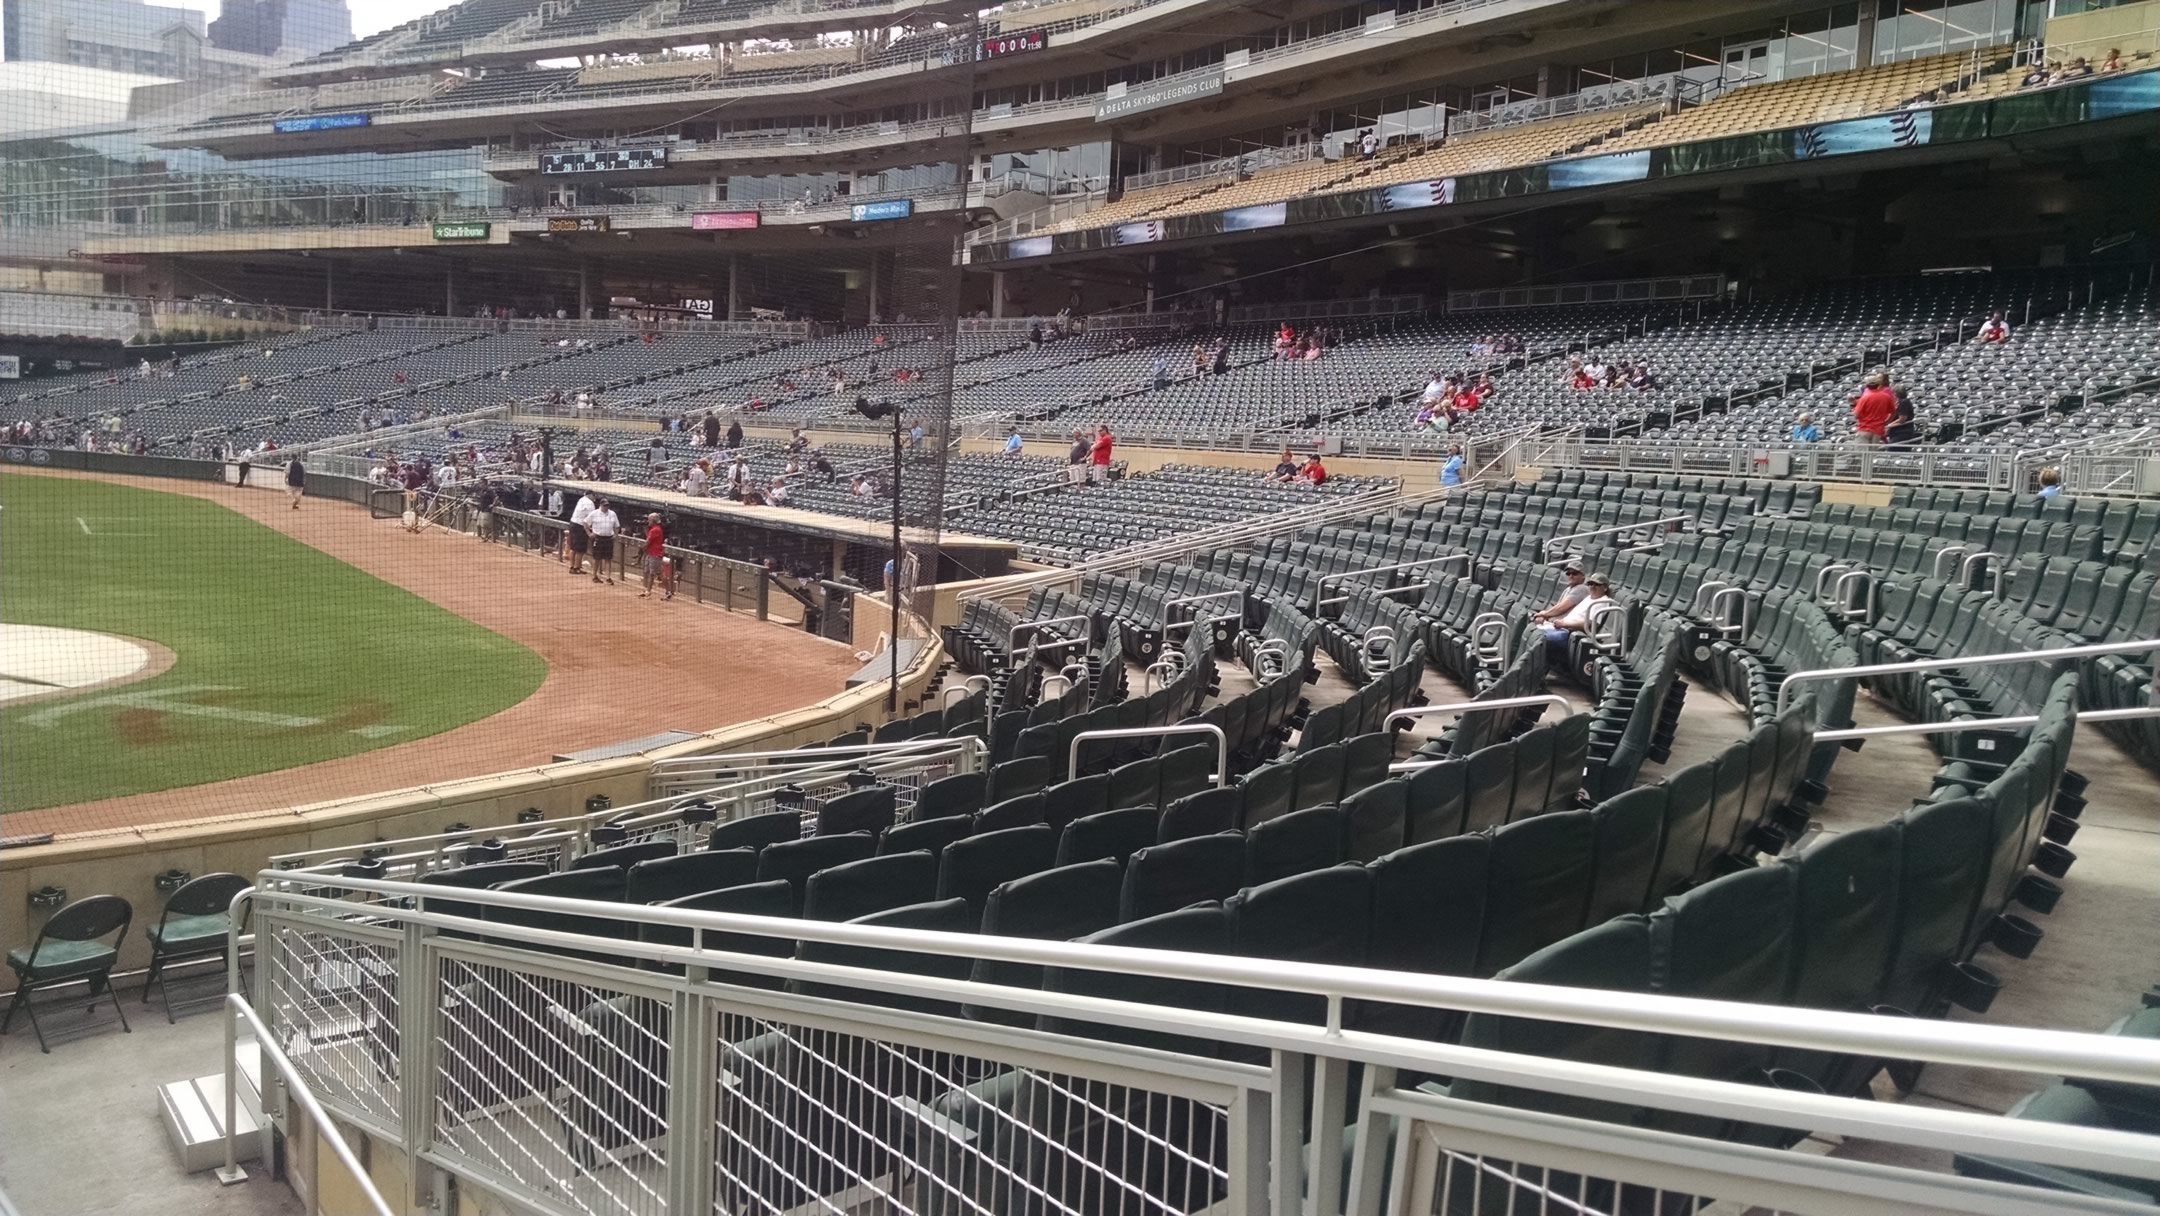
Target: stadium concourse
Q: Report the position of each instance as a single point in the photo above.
(1126, 607)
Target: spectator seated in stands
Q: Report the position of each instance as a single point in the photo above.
(1994, 329)
(1013, 442)
(1578, 376)
(1641, 379)
(1286, 468)
(1431, 417)
(1804, 430)
(1285, 339)
(777, 493)
(1561, 628)
(2035, 78)
(2050, 483)
(2113, 62)
(1314, 473)
(1574, 593)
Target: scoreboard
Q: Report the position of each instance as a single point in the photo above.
(604, 160)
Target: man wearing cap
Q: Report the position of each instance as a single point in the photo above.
(1570, 595)
(655, 560)
(1575, 619)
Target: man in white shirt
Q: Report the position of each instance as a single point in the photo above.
(1573, 620)
(603, 525)
(698, 479)
(738, 477)
(581, 533)
(1574, 593)
(777, 495)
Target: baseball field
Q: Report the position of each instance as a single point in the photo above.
(154, 641)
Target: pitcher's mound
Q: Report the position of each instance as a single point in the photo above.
(44, 661)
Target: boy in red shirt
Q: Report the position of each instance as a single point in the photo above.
(1873, 408)
(655, 561)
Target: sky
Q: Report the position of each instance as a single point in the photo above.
(368, 16)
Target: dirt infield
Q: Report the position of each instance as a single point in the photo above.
(618, 667)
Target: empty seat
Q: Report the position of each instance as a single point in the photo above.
(874, 884)
(796, 860)
(1113, 834)
(1057, 904)
(756, 831)
(1311, 839)
(1165, 877)
(971, 867)
(665, 878)
(870, 809)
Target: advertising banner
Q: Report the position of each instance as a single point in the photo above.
(577, 223)
(318, 122)
(1155, 97)
(719, 221)
(465, 231)
(883, 209)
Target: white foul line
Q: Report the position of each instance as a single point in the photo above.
(84, 525)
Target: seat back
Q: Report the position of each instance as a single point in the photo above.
(1629, 827)
(1728, 939)
(1538, 885)
(1165, 877)
(1434, 802)
(668, 878)
(1113, 834)
(1202, 930)
(1374, 820)
(1069, 800)
(1202, 814)
(796, 860)
(874, 884)
(756, 831)
(929, 835)
(869, 809)
(1023, 811)
(1614, 956)
(959, 794)
(971, 867)
(1055, 905)
(625, 855)
(1310, 839)
(1318, 916)
(1270, 791)
(942, 916)
(775, 899)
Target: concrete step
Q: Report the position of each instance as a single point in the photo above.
(194, 1114)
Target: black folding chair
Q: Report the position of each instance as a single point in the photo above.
(70, 949)
(195, 925)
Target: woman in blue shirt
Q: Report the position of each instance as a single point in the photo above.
(1451, 472)
(1804, 430)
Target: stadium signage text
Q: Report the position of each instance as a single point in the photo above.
(1140, 101)
(718, 221)
(1012, 44)
(884, 209)
(603, 160)
(577, 223)
(10, 367)
(318, 122)
(470, 231)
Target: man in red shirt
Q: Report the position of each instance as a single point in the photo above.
(1099, 454)
(655, 561)
(1873, 408)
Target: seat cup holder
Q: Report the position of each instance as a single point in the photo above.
(2060, 829)
(483, 851)
(2069, 805)
(2072, 782)
(2052, 859)
(607, 835)
(2015, 936)
(700, 811)
(1973, 987)
(2037, 893)
(788, 797)
(366, 867)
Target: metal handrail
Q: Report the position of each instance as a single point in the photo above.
(1844, 601)
(1012, 635)
(1708, 587)
(1733, 624)
(1633, 527)
(1995, 561)
(1824, 575)
(1207, 597)
(237, 1009)
(2095, 650)
(1958, 725)
(1614, 641)
(1459, 707)
(1977, 1044)
(1320, 587)
(1222, 743)
(1945, 557)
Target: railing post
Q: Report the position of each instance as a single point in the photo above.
(692, 1080)
(419, 1034)
(1286, 1149)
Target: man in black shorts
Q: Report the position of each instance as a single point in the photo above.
(580, 534)
(603, 525)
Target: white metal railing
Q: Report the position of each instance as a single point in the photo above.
(686, 792)
(2145, 646)
(238, 1010)
(1606, 291)
(1616, 95)
(628, 1060)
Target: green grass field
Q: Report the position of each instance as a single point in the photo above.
(285, 656)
